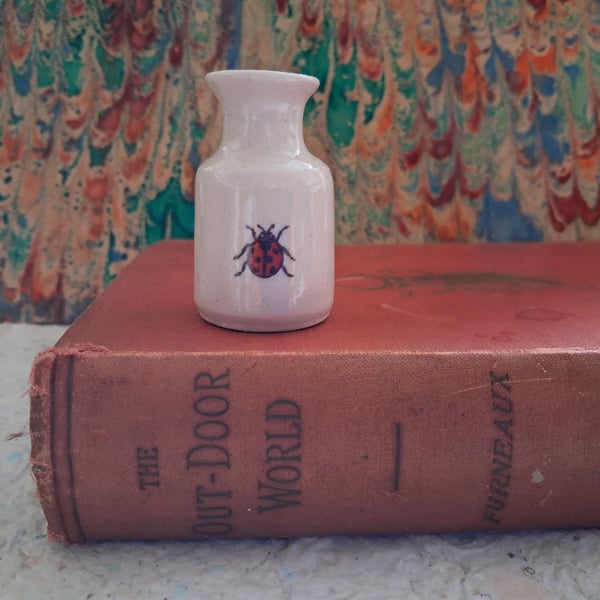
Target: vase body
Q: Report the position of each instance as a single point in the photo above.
(264, 228)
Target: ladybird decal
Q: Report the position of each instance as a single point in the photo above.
(264, 254)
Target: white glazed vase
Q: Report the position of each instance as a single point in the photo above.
(264, 222)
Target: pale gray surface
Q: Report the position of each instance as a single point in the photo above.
(532, 566)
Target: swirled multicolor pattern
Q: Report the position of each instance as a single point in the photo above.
(442, 120)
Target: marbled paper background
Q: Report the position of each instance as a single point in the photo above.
(442, 121)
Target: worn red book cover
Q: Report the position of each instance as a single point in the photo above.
(453, 387)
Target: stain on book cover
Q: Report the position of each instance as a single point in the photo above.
(443, 283)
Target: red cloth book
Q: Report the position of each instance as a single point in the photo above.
(453, 387)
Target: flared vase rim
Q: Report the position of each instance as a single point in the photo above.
(261, 74)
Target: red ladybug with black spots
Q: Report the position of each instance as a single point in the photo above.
(264, 254)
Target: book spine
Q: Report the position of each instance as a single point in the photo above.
(184, 445)
(42, 428)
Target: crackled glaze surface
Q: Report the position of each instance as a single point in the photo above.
(441, 120)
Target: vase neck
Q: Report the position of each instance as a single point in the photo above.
(254, 126)
(262, 110)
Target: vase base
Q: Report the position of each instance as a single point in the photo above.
(262, 325)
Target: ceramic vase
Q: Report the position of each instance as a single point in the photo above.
(264, 228)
